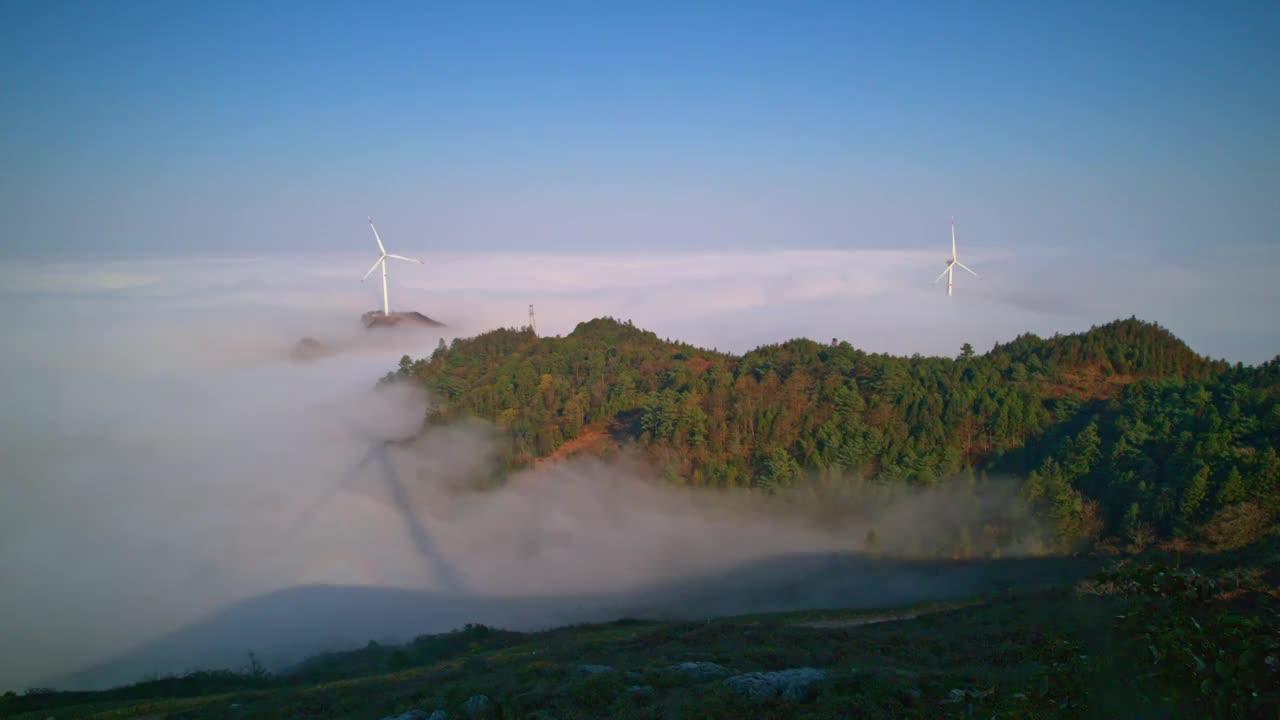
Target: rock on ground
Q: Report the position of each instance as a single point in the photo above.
(700, 670)
(478, 706)
(791, 685)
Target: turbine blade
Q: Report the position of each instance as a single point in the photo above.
(401, 257)
(375, 267)
(375, 237)
(953, 238)
(966, 268)
(944, 273)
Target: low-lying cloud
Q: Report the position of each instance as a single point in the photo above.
(879, 300)
(165, 455)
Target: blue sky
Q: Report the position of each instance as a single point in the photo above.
(203, 128)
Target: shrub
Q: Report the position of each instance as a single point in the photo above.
(1219, 640)
(1236, 526)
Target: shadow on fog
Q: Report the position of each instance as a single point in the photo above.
(287, 626)
(439, 571)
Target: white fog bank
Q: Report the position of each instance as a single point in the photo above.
(164, 458)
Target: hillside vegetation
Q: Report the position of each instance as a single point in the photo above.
(1165, 636)
(1121, 432)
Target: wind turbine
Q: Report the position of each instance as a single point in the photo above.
(953, 263)
(382, 260)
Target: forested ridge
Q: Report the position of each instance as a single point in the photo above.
(1121, 431)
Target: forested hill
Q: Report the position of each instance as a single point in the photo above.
(1119, 431)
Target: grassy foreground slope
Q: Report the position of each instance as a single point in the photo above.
(1121, 431)
(1169, 637)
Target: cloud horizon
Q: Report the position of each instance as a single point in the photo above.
(881, 301)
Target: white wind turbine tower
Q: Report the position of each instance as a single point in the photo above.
(382, 260)
(953, 263)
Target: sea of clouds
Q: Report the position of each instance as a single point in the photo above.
(165, 456)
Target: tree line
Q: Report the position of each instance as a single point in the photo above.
(1120, 431)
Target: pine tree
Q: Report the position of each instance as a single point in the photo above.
(1193, 495)
(1233, 489)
